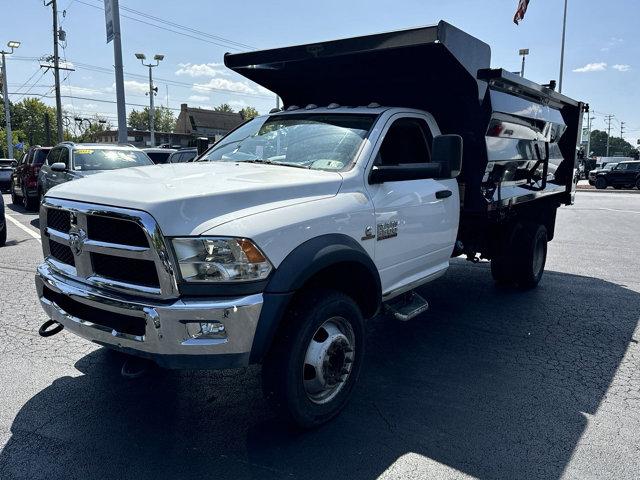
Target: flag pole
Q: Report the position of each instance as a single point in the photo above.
(564, 34)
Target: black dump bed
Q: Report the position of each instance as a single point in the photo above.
(520, 138)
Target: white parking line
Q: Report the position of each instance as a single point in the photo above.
(31, 232)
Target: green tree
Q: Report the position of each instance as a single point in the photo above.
(617, 146)
(165, 120)
(248, 113)
(224, 107)
(28, 116)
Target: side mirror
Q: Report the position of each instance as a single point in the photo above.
(58, 167)
(447, 152)
(395, 173)
(14, 164)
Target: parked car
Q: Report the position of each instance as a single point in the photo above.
(159, 155)
(3, 224)
(24, 180)
(303, 223)
(623, 175)
(184, 155)
(70, 161)
(7, 166)
(594, 173)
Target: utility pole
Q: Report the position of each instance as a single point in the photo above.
(152, 92)
(5, 93)
(590, 119)
(609, 118)
(622, 130)
(56, 67)
(564, 34)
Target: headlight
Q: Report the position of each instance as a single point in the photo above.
(218, 259)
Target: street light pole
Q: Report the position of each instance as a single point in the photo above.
(564, 34)
(5, 93)
(524, 52)
(152, 90)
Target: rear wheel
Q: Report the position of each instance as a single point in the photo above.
(601, 183)
(314, 363)
(523, 258)
(532, 255)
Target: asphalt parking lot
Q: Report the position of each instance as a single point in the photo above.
(488, 384)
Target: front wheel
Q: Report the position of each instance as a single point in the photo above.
(14, 198)
(601, 183)
(309, 374)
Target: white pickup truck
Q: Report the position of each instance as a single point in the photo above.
(278, 243)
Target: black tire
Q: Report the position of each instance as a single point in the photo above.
(601, 183)
(501, 271)
(14, 198)
(286, 375)
(638, 183)
(3, 234)
(531, 256)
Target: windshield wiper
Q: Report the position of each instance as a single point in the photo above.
(281, 164)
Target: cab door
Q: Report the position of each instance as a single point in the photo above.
(416, 220)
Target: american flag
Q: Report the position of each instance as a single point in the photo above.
(522, 9)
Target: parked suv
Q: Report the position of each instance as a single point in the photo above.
(24, 180)
(159, 155)
(3, 224)
(623, 175)
(184, 155)
(70, 161)
(6, 170)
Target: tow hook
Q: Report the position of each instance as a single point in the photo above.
(46, 331)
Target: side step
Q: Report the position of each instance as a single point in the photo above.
(406, 306)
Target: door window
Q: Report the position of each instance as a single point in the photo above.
(53, 156)
(406, 142)
(64, 157)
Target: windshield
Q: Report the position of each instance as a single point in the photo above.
(317, 141)
(159, 157)
(86, 159)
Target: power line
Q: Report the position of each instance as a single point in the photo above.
(165, 28)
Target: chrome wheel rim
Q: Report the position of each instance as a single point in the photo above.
(328, 361)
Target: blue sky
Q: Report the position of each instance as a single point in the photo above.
(602, 56)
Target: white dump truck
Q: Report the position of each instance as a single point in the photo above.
(393, 153)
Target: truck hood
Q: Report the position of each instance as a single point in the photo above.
(191, 198)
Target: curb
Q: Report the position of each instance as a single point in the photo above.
(606, 190)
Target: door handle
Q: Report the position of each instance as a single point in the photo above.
(444, 194)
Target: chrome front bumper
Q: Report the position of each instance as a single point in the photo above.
(167, 339)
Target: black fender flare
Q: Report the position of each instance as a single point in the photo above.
(300, 265)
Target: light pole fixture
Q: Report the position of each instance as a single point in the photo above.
(152, 91)
(523, 52)
(12, 44)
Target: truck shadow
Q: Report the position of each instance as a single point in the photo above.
(494, 386)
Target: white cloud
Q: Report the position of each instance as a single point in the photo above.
(622, 68)
(199, 98)
(135, 87)
(222, 84)
(201, 70)
(592, 67)
(237, 105)
(613, 42)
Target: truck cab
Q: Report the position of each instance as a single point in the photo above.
(393, 153)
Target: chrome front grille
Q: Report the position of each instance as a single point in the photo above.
(107, 247)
